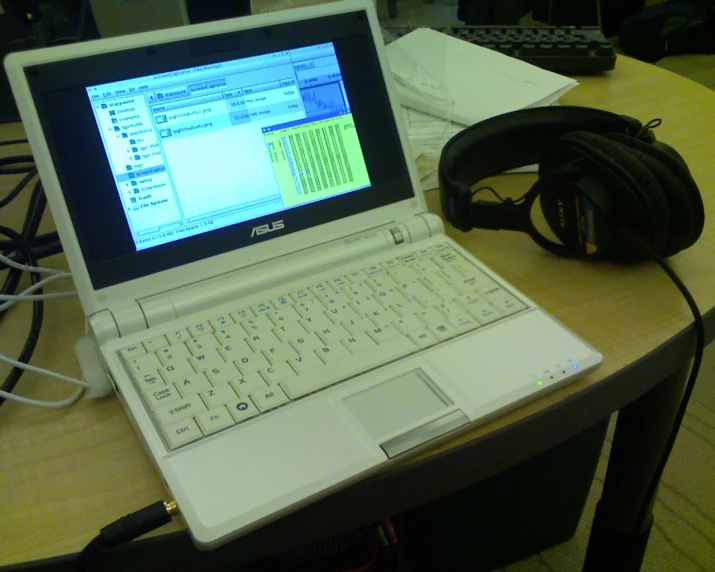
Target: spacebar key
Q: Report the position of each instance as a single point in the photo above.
(347, 366)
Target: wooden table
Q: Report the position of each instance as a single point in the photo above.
(65, 474)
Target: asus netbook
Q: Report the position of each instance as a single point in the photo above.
(276, 309)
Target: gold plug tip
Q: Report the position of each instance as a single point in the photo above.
(172, 508)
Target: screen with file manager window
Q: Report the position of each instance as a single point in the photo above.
(202, 148)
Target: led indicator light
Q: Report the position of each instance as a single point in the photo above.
(539, 383)
(575, 366)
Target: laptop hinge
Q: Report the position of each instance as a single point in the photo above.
(117, 321)
(415, 229)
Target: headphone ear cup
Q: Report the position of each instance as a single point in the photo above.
(681, 191)
(636, 198)
(578, 211)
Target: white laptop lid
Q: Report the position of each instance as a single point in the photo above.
(173, 156)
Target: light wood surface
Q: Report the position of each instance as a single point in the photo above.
(65, 474)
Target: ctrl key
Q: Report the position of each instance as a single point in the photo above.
(181, 433)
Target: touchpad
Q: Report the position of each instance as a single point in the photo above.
(387, 409)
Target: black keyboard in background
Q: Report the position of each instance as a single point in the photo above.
(561, 49)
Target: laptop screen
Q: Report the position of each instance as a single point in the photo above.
(178, 151)
(282, 120)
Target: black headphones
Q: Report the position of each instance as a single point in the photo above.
(605, 184)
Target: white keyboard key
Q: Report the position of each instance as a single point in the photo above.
(228, 334)
(306, 362)
(206, 360)
(383, 333)
(234, 349)
(156, 397)
(331, 334)
(214, 420)
(315, 322)
(179, 410)
(383, 316)
(301, 295)
(222, 374)
(262, 308)
(269, 399)
(173, 354)
(309, 307)
(155, 344)
(464, 323)
(409, 323)
(192, 384)
(221, 321)
(443, 331)
(242, 409)
(320, 289)
(366, 305)
(149, 381)
(504, 301)
(257, 342)
(282, 302)
(343, 313)
(249, 383)
(346, 367)
(218, 395)
(358, 326)
(357, 276)
(240, 315)
(334, 298)
(277, 372)
(373, 271)
(479, 308)
(403, 274)
(284, 316)
(200, 329)
(259, 324)
(423, 338)
(146, 362)
(339, 282)
(172, 372)
(250, 361)
(202, 343)
(288, 332)
(430, 316)
(133, 351)
(332, 352)
(180, 335)
(279, 353)
(305, 344)
(358, 343)
(181, 433)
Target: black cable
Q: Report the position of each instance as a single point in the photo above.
(689, 386)
(18, 188)
(13, 142)
(23, 243)
(127, 529)
(27, 162)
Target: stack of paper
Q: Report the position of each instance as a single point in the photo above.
(458, 84)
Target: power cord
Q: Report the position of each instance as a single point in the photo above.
(127, 529)
(689, 386)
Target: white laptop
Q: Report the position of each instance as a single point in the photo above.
(276, 309)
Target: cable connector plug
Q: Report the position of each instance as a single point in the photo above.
(126, 529)
(138, 523)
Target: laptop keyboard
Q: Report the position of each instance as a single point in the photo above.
(210, 375)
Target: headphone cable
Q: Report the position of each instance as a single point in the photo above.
(649, 498)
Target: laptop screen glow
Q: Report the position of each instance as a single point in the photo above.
(203, 148)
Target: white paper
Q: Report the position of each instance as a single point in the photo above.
(450, 78)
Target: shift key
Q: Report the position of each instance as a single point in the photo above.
(179, 410)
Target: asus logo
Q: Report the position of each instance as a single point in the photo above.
(265, 228)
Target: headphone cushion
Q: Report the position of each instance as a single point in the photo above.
(684, 199)
(639, 202)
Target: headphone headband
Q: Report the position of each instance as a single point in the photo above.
(510, 141)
